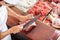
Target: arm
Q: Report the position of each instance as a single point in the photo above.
(14, 14)
(14, 29)
(19, 17)
(3, 34)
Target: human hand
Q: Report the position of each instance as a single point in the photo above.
(16, 29)
(27, 17)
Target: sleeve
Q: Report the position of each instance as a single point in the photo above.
(0, 28)
(3, 17)
(12, 1)
(0, 24)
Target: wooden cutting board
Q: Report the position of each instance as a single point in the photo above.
(41, 32)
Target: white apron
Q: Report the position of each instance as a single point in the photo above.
(3, 19)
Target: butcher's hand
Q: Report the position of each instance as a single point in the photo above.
(27, 17)
(16, 29)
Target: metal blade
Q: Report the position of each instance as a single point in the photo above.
(47, 15)
(31, 21)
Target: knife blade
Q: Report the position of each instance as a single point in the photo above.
(47, 15)
(31, 21)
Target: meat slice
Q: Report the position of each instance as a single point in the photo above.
(40, 7)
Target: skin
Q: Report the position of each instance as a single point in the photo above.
(14, 30)
(19, 17)
(17, 28)
(14, 14)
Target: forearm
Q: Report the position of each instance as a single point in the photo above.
(14, 14)
(17, 16)
(4, 34)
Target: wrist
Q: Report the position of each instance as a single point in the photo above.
(9, 31)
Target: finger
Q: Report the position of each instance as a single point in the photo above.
(16, 32)
(21, 26)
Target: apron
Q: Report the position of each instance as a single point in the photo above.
(3, 19)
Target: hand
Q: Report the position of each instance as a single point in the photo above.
(50, 17)
(30, 26)
(27, 17)
(16, 29)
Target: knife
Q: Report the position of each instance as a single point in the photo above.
(47, 15)
(31, 21)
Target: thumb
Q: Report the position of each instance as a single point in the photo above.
(21, 26)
